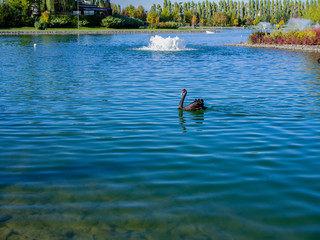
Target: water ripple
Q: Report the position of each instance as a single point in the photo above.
(96, 146)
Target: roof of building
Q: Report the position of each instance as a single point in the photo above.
(90, 7)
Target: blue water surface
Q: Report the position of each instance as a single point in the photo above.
(93, 145)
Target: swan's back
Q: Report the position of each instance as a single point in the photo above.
(196, 105)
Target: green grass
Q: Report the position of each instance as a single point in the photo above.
(55, 29)
(95, 29)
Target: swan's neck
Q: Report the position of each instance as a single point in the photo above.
(182, 100)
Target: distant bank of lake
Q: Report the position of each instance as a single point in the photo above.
(30, 31)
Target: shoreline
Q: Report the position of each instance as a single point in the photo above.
(304, 48)
(94, 32)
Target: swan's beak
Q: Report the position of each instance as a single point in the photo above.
(181, 92)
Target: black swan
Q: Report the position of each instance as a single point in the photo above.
(197, 105)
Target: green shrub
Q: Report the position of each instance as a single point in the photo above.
(45, 17)
(167, 25)
(112, 22)
(93, 20)
(118, 21)
(40, 25)
(83, 23)
(58, 21)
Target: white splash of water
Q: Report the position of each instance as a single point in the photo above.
(264, 26)
(158, 43)
(300, 24)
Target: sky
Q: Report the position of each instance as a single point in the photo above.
(145, 3)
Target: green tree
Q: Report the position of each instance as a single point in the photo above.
(257, 20)
(169, 7)
(277, 12)
(159, 9)
(131, 10)
(151, 19)
(175, 14)
(249, 20)
(20, 10)
(64, 5)
(6, 18)
(107, 4)
(50, 6)
(165, 4)
(194, 21)
(313, 12)
(114, 9)
(101, 4)
(220, 19)
(165, 15)
(203, 21)
(153, 9)
(239, 10)
(140, 14)
(220, 7)
(272, 10)
(188, 17)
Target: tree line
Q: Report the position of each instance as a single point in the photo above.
(205, 13)
(225, 12)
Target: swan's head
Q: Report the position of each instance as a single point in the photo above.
(183, 91)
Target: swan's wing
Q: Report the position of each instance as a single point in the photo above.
(197, 105)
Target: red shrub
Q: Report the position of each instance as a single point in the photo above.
(305, 37)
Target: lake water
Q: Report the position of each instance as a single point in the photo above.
(93, 146)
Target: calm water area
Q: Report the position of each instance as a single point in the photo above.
(93, 145)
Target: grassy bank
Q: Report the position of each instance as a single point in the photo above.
(87, 29)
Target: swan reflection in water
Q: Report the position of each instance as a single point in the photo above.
(196, 117)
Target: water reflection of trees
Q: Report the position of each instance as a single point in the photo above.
(313, 67)
(312, 60)
(190, 117)
(312, 82)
